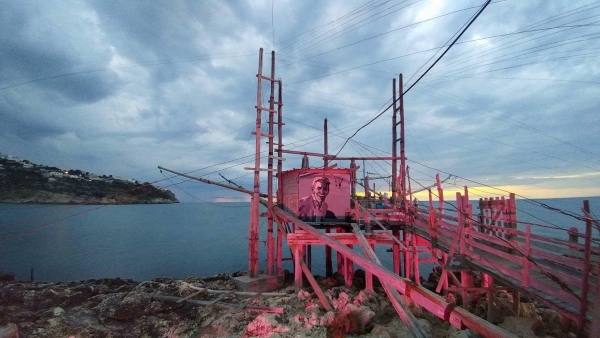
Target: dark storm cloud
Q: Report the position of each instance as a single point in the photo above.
(38, 44)
(142, 84)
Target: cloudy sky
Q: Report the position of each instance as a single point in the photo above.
(121, 87)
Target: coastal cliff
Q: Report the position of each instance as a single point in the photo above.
(24, 182)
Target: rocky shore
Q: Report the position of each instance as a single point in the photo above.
(125, 308)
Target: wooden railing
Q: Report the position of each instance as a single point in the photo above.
(563, 273)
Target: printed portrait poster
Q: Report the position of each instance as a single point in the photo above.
(323, 196)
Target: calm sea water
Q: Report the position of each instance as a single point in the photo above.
(143, 242)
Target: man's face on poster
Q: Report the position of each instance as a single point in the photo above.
(320, 191)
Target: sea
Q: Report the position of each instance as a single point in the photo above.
(147, 241)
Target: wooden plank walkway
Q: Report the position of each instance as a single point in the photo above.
(555, 273)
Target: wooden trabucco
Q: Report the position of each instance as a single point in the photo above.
(493, 244)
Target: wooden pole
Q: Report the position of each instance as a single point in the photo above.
(328, 262)
(394, 143)
(309, 257)
(270, 238)
(339, 257)
(254, 204)
(325, 159)
(403, 169)
(587, 267)
(440, 194)
(349, 267)
(279, 169)
(298, 253)
(396, 252)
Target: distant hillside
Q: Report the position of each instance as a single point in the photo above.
(24, 182)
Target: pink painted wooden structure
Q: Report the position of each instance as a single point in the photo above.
(560, 273)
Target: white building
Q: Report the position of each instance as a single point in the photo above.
(57, 174)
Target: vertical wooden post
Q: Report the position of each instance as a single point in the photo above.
(270, 238)
(254, 205)
(396, 252)
(407, 261)
(415, 259)
(279, 252)
(461, 248)
(298, 253)
(328, 262)
(279, 169)
(367, 192)
(440, 194)
(309, 257)
(340, 258)
(394, 142)
(325, 146)
(369, 276)
(403, 168)
(525, 276)
(368, 205)
(587, 267)
(481, 216)
(349, 270)
(353, 180)
(488, 282)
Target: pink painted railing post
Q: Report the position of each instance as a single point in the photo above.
(585, 286)
(525, 275)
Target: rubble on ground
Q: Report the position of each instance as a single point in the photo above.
(125, 308)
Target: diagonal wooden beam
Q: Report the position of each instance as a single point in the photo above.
(324, 301)
(311, 279)
(401, 308)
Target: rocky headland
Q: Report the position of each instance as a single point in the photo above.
(125, 308)
(24, 182)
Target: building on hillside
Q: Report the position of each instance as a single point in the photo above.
(27, 165)
(16, 159)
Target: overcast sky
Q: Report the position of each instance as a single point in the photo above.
(121, 87)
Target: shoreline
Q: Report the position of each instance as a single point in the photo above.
(123, 308)
(85, 203)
